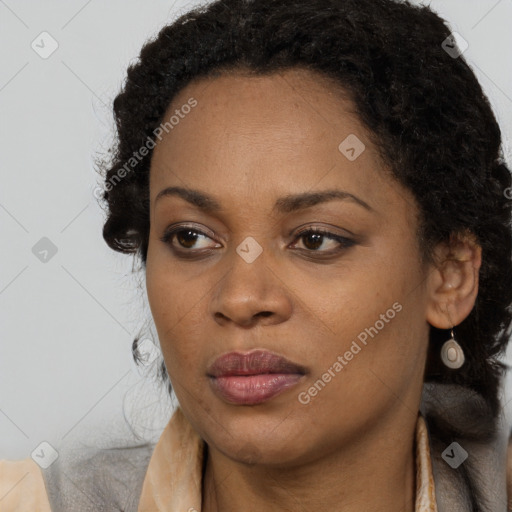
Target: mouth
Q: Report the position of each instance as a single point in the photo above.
(254, 377)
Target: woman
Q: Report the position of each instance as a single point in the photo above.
(317, 194)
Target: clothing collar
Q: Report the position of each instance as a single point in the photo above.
(174, 475)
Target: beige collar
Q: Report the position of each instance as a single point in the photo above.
(173, 477)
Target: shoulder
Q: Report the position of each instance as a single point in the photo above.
(460, 420)
(91, 479)
(82, 479)
(22, 487)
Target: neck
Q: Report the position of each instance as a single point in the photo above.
(375, 473)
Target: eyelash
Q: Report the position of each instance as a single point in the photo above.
(344, 242)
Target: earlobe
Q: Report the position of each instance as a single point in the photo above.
(453, 281)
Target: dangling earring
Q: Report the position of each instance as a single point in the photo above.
(452, 354)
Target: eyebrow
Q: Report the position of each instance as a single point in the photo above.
(286, 204)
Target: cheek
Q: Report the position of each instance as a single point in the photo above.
(376, 319)
(168, 295)
(364, 294)
(175, 305)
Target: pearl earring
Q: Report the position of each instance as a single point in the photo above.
(452, 354)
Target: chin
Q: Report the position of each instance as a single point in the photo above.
(265, 441)
(252, 453)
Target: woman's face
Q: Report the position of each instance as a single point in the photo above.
(347, 310)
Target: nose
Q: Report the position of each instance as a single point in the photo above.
(251, 293)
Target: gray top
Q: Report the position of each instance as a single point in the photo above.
(101, 480)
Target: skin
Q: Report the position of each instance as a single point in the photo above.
(249, 141)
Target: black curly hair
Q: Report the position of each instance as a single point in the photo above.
(424, 108)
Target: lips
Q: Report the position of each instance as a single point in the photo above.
(254, 377)
(252, 363)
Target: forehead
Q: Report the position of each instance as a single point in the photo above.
(283, 132)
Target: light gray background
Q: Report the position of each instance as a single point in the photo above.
(66, 326)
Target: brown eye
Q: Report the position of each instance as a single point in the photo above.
(187, 239)
(313, 239)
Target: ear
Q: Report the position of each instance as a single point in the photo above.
(452, 283)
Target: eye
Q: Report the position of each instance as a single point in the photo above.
(186, 239)
(314, 239)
